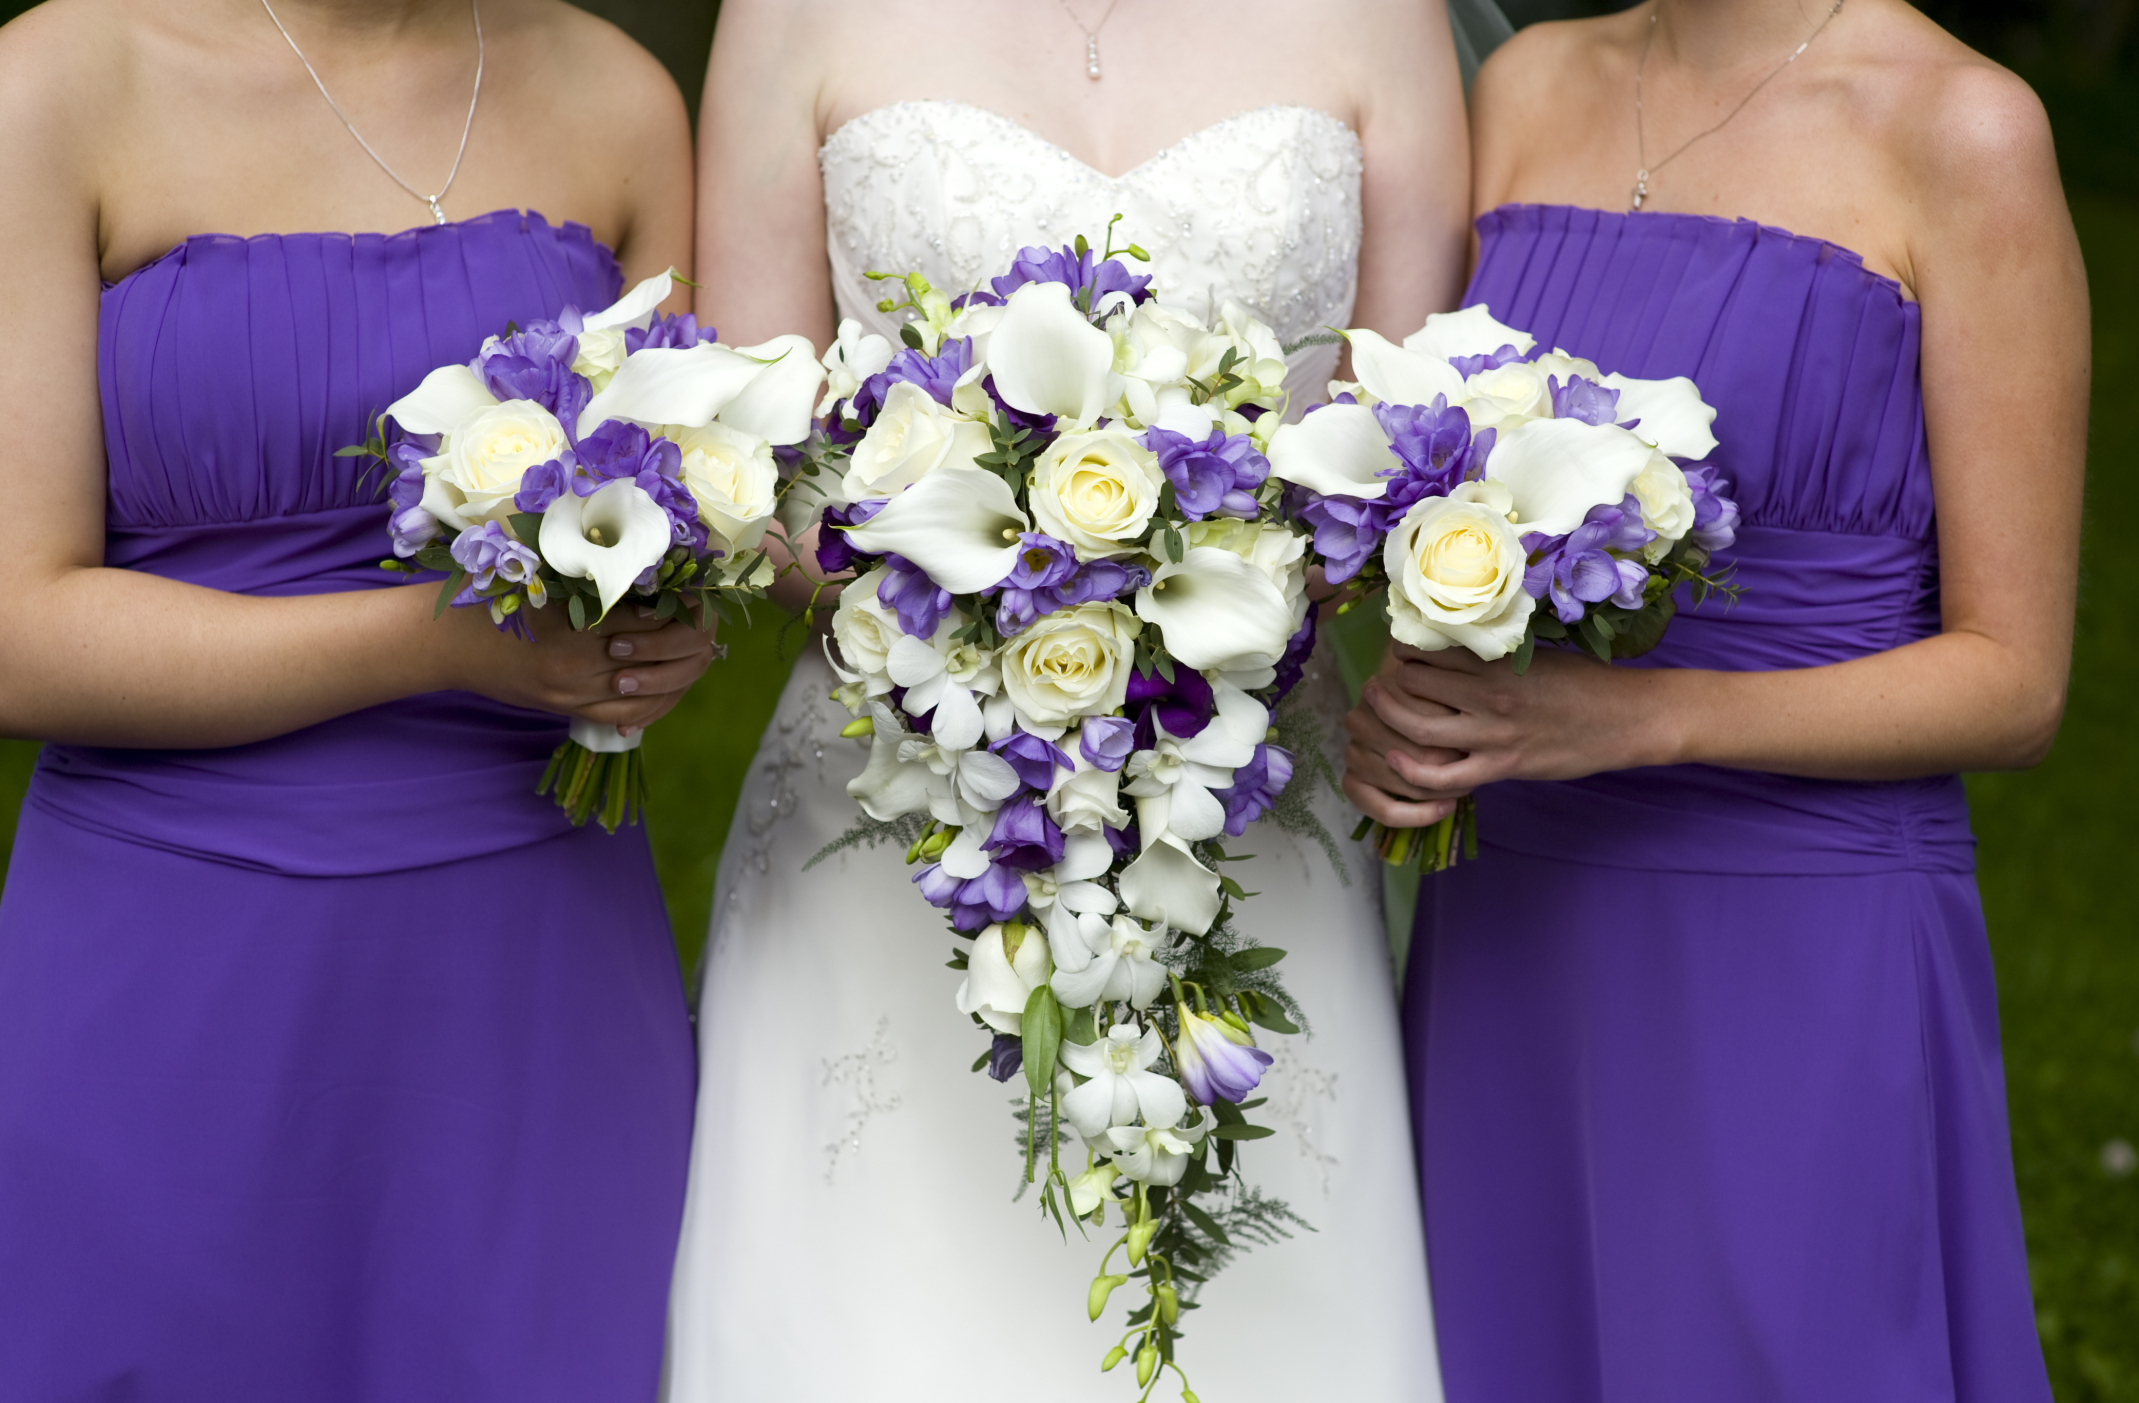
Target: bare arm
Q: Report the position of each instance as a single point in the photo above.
(2005, 374)
(1415, 189)
(120, 657)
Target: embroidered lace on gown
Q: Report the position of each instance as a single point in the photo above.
(336, 1067)
(851, 1229)
(1705, 1062)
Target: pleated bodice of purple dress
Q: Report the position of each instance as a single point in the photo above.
(1705, 1062)
(336, 1066)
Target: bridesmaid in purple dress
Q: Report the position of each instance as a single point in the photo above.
(334, 1064)
(1704, 1046)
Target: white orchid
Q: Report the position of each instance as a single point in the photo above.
(611, 536)
(1092, 1189)
(1217, 611)
(1167, 886)
(1006, 964)
(1066, 891)
(1173, 781)
(941, 675)
(1101, 958)
(1048, 358)
(960, 525)
(1153, 1154)
(893, 784)
(853, 358)
(1555, 470)
(1122, 1085)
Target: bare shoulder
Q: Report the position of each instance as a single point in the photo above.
(64, 65)
(586, 54)
(1536, 67)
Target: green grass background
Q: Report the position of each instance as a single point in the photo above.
(2056, 843)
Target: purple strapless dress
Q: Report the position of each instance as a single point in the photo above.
(339, 1066)
(1705, 1062)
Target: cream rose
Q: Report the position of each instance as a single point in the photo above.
(911, 438)
(1070, 664)
(866, 632)
(475, 479)
(600, 353)
(1097, 491)
(734, 479)
(1455, 569)
(1519, 387)
(1666, 504)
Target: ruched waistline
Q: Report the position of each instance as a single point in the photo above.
(325, 552)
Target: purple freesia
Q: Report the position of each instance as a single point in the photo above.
(618, 450)
(1018, 607)
(489, 555)
(1042, 562)
(1584, 400)
(679, 331)
(412, 529)
(1024, 836)
(936, 375)
(1435, 451)
(998, 894)
(1106, 741)
(1215, 1061)
(1578, 569)
(1184, 706)
(1467, 366)
(1255, 787)
(541, 485)
(834, 554)
(1715, 515)
(1347, 531)
(1216, 476)
(1297, 650)
(1034, 759)
(1089, 280)
(535, 363)
(1006, 1056)
(918, 601)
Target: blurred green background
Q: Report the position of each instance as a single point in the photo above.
(2054, 841)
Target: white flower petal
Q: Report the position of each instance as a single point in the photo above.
(1470, 332)
(1673, 416)
(671, 385)
(1084, 856)
(1395, 375)
(1161, 1099)
(1166, 885)
(1339, 451)
(447, 396)
(1557, 469)
(964, 858)
(635, 308)
(1195, 814)
(959, 525)
(776, 404)
(634, 535)
(986, 778)
(1048, 359)
(1216, 610)
(957, 724)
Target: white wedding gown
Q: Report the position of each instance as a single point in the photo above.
(851, 1232)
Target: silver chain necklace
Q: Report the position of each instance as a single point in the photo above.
(1091, 36)
(475, 9)
(1641, 145)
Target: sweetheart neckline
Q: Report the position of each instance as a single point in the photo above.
(1139, 168)
(412, 232)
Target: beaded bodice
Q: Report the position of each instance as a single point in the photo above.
(1262, 208)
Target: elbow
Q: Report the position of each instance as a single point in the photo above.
(2032, 729)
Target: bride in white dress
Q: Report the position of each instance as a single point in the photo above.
(851, 1231)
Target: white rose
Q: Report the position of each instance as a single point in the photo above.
(911, 438)
(1456, 573)
(475, 479)
(1097, 491)
(1088, 799)
(854, 357)
(866, 632)
(1666, 504)
(1517, 388)
(600, 353)
(1151, 352)
(1557, 364)
(1069, 664)
(734, 479)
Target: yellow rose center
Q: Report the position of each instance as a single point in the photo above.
(1097, 499)
(1462, 557)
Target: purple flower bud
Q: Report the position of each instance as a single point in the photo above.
(1255, 788)
(542, 484)
(677, 332)
(1715, 515)
(413, 528)
(1024, 838)
(1348, 531)
(1213, 477)
(910, 593)
(1099, 581)
(1042, 562)
(833, 552)
(1106, 741)
(1006, 1056)
(489, 555)
(938, 887)
(1467, 366)
(1584, 400)
(1080, 272)
(1298, 649)
(1216, 1061)
(937, 375)
(1581, 568)
(406, 460)
(997, 894)
(1184, 706)
(1124, 841)
(1035, 760)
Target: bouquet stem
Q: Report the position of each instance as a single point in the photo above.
(1434, 849)
(598, 770)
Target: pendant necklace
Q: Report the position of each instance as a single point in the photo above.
(1641, 146)
(1091, 36)
(475, 9)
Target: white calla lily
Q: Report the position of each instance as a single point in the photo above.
(775, 404)
(1047, 358)
(1470, 332)
(636, 308)
(446, 398)
(1555, 470)
(1121, 1084)
(611, 536)
(1673, 415)
(672, 385)
(1338, 450)
(1166, 885)
(1396, 375)
(959, 524)
(1217, 611)
(1006, 964)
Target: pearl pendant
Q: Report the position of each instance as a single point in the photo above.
(1641, 189)
(1091, 57)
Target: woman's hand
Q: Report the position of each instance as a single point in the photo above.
(1432, 727)
(628, 672)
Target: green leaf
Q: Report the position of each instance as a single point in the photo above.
(982, 1060)
(665, 606)
(1646, 629)
(355, 450)
(1264, 1012)
(1241, 1132)
(1164, 663)
(576, 609)
(527, 526)
(911, 335)
(1257, 957)
(1523, 653)
(451, 587)
(1042, 1034)
(1226, 1113)
(1206, 1222)
(1081, 1029)
(1175, 548)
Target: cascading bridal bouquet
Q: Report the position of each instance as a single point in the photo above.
(1078, 605)
(1476, 480)
(589, 458)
